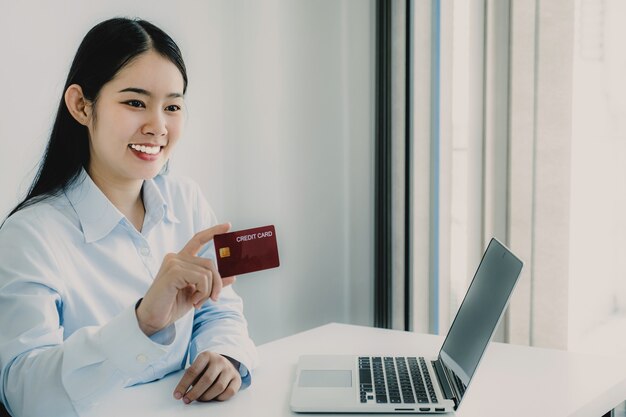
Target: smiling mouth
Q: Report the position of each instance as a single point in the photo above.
(150, 150)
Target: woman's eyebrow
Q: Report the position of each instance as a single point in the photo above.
(146, 92)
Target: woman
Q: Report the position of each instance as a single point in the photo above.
(105, 279)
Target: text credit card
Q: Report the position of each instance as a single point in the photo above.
(246, 251)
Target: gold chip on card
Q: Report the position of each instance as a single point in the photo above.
(224, 252)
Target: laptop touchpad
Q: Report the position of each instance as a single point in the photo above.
(325, 378)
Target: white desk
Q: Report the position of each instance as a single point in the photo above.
(511, 381)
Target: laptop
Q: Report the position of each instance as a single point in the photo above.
(386, 384)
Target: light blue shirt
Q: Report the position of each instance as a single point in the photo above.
(72, 268)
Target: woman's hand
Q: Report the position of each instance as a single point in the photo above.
(210, 377)
(183, 281)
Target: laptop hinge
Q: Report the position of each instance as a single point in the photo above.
(450, 391)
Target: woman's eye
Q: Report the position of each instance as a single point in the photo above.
(173, 107)
(135, 103)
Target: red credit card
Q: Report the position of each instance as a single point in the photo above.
(246, 251)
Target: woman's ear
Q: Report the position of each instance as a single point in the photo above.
(79, 107)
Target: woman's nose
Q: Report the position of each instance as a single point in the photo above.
(155, 125)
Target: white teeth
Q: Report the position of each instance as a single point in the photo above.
(150, 150)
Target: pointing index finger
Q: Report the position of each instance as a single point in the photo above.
(202, 238)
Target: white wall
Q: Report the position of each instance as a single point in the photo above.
(297, 120)
(279, 131)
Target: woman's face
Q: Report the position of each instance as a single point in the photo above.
(138, 120)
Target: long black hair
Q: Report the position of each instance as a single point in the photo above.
(106, 49)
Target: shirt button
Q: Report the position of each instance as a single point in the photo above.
(141, 358)
(144, 251)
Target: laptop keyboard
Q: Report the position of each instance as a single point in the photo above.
(395, 380)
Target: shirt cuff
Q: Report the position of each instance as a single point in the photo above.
(126, 345)
(246, 376)
(165, 336)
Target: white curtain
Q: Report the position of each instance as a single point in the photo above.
(540, 136)
(518, 160)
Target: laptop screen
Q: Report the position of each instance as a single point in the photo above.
(480, 311)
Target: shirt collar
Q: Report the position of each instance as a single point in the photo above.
(98, 216)
(156, 206)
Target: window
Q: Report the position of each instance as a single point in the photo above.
(598, 191)
(497, 134)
